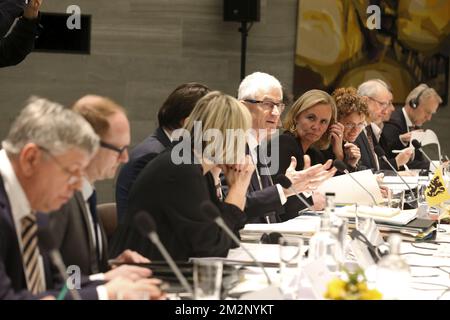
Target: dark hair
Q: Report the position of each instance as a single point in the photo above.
(179, 104)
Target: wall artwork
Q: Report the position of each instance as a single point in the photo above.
(343, 43)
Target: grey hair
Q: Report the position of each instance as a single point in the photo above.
(257, 82)
(51, 126)
(372, 87)
(425, 93)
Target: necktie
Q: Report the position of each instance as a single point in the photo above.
(372, 146)
(30, 254)
(413, 127)
(93, 209)
(264, 180)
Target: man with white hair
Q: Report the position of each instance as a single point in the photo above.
(262, 94)
(379, 101)
(420, 106)
(42, 163)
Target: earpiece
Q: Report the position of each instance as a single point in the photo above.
(414, 103)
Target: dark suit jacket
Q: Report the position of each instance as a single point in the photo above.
(9, 11)
(73, 238)
(289, 147)
(172, 194)
(12, 277)
(367, 160)
(20, 42)
(392, 131)
(139, 157)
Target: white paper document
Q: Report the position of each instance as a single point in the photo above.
(348, 191)
(299, 225)
(264, 253)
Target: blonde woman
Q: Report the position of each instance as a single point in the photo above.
(311, 128)
(173, 186)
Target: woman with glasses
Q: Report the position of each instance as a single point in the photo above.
(351, 112)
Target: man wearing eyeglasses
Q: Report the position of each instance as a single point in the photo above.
(420, 106)
(42, 162)
(262, 94)
(78, 231)
(379, 102)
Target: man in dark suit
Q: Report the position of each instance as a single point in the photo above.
(78, 232)
(262, 94)
(171, 116)
(41, 165)
(420, 105)
(379, 101)
(20, 41)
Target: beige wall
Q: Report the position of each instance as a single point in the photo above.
(142, 49)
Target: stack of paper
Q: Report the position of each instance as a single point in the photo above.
(379, 214)
(302, 226)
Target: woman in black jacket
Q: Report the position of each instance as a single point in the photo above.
(173, 187)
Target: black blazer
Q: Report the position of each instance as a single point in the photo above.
(289, 147)
(12, 277)
(392, 130)
(142, 154)
(9, 11)
(172, 194)
(20, 42)
(367, 160)
(72, 236)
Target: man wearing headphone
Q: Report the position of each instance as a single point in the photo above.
(420, 105)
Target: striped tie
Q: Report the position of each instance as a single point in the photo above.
(31, 254)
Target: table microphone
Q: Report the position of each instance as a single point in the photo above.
(146, 226)
(211, 210)
(342, 167)
(380, 153)
(418, 146)
(47, 243)
(287, 184)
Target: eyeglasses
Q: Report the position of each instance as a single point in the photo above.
(112, 147)
(267, 104)
(384, 105)
(351, 126)
(74, 176)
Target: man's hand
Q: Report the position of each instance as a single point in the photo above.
(406, 137)
(128, 272)
(130, 256)
(126, 289)
(31, 10)
(403, 157)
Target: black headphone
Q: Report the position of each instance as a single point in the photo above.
(414, 102)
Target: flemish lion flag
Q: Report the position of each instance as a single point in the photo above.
(436, 191)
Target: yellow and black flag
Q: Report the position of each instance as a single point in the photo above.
(436, 191)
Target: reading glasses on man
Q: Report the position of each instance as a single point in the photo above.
(109, 146)
(267, 104)
(74, 175)
(384, 105)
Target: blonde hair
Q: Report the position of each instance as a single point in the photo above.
(221, 112)
(308, 100)
(96, 110)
